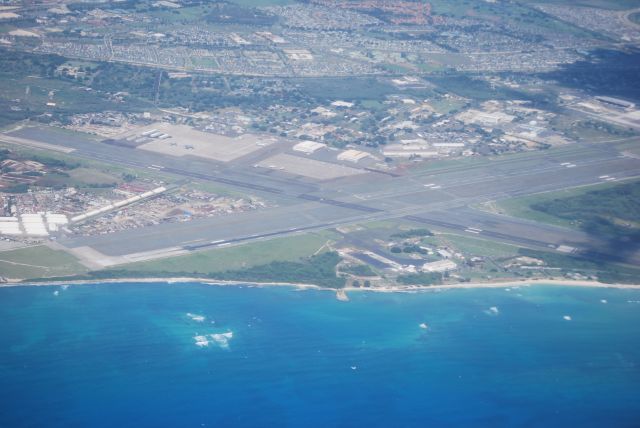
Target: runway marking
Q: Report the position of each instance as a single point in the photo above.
(433, 186)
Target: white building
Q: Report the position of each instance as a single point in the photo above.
(439, 266)
(352, 155)
(308, 147)
(409, 151)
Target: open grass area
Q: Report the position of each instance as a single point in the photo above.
(446, 105)
(591, 130)
(291, 248)
(522, 207)
(435, 165)
(602, 4)
(347, 88)
(478, 247)
(38, 262)
(92, 177)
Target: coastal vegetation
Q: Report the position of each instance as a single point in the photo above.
(545, 207)
(612, 213)
(423, 278)
(318, 270)
(604, 271)
(358, 270)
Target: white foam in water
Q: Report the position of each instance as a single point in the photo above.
(493, 310)
(65, 286)
(424, 326)
(222, 339)
(201, 341)
(566, 318)
(195, 317)
(603, 301)
(55, 293)
(354, 367)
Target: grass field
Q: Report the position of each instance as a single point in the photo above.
(478, 247)
(445, 106)
(602, 4)
(291, 248)
(593, 131)
(37, 262)
(521, 207)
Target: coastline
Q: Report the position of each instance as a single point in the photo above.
(340, 293)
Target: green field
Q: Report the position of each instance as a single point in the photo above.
(478, 247)
(519, 12)
(291, 248)
(347, 88)
(204, 62)
(299, 259)
(602, 4)
(593, 131)
(523, 206)
(446, 105)
(38, 262)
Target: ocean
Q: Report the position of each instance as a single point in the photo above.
(195, 355)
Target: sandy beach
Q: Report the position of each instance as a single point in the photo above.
(341, 294)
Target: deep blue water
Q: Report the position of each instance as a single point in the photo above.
(122, 355)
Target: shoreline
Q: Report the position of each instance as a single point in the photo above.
(341, 292)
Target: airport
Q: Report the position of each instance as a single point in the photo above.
(438, 197)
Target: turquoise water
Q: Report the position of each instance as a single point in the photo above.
(118, 355)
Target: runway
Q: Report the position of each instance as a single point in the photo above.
(435, 196)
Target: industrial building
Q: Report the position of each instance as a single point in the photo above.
(352, 156)
(123, 203)
(308, 147)
(37, 225)
(439, 266)
(616, 102)
(409, 150)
